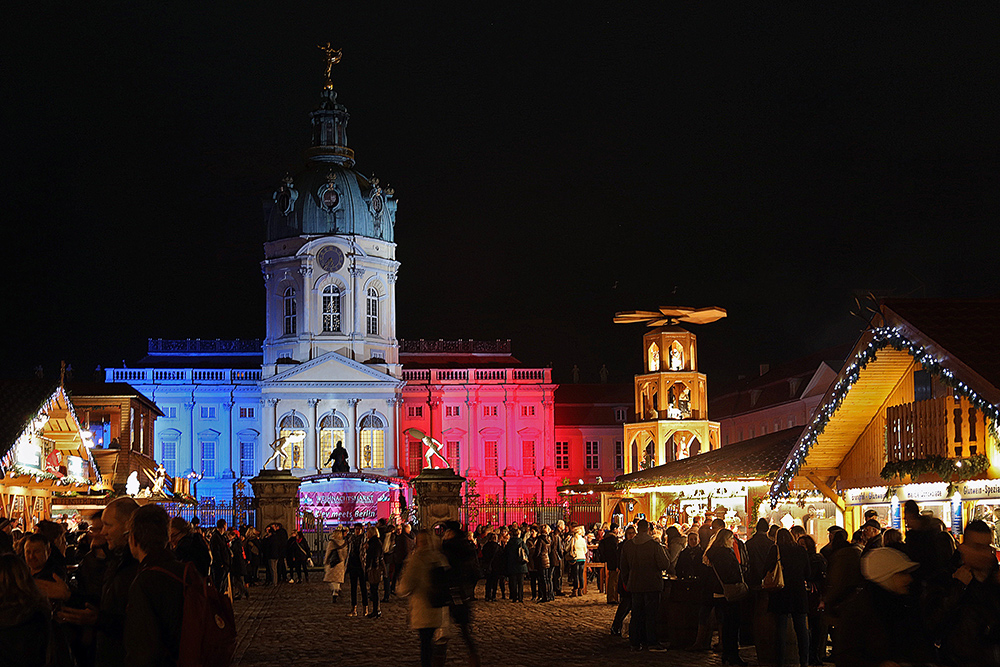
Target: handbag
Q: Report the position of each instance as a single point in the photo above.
(775, 579)
(733, 592)
(375, 575)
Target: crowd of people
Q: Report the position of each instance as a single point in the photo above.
(112, 592)
(876, 597)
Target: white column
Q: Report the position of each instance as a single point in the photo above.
(312, 439)
(186, 454)
(226, 442)
(390, 445)
(352, 434)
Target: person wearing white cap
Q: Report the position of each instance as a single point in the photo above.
(880, 623)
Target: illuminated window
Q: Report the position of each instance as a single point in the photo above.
(293, 428)
(562, 456)
(453, 460)
(331, 309)
(168, 456)
(170, 413)
(619, 455)
(415, 411)
(654, 358)
(492, 460)
(288, 301)
(247, 468)
(372, 311)
(528, 457)
(246, 413)
(593, 459)
(489, 411)
(331, 431)
(207, 458)
(527, 410)
(451, 410)
(372, 442)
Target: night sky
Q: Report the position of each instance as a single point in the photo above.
(553, 165)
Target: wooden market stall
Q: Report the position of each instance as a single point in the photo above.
(44, 451)
(912, 415)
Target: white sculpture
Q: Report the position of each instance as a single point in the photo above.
(432, 448)
(278, 452)
(132, 483)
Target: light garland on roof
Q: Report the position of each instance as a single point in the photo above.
(882, 337)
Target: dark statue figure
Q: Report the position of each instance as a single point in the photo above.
(338, 457)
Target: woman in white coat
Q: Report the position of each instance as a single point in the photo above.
(415, 583)
(335, 562)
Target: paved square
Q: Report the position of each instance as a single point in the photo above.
(296, 624)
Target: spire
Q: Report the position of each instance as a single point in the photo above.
(329, 121)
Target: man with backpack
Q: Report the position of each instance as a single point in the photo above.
(173, 616)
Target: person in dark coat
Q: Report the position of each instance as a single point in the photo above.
(238, 568)
(254, 551)
(725, 569)
(298, 557)
(641, 563)
(540, 553)
(607, 552)
(758, 547)
(222, 557)
(816, 585)
(374, 559)
(356, 569)
(6, 540)
(491, 549)
(189, 547)
(402, 546)
(516, 557)
(156, 599)
(279, 551)
(879, 623)
(624, 597)
(109, 618)
(792, 599)
(689, 560)
(24, 615)
(460, 553)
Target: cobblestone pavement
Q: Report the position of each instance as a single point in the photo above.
(296, 624)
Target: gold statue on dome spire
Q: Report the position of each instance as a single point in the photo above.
(332, 58)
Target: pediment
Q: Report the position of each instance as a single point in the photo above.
(333, 367)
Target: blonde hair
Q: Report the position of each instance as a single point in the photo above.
(372, 532)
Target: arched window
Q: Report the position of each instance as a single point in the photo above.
(288, 300)
(294, 429)
(372, 442)
(331, 309)
(372, 311)
(331, 431)
(654, 358)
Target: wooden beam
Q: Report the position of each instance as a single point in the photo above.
(822, 473)
(827, 492)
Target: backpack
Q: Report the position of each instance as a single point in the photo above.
(208, 628)
(522, 553)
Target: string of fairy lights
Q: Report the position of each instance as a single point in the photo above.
(881, 338)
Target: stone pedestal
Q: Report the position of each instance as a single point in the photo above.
(276, 495)
(439, 496)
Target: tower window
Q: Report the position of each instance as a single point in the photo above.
(621, 414)
(331, 309)
(288, 300)
(372, 311)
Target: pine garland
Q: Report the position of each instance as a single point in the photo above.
(946, 469)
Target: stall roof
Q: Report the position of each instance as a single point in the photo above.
(757, 458)
(20, 401)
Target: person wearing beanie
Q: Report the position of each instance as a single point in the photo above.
(880, 622)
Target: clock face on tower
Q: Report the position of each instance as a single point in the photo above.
(330, 258)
